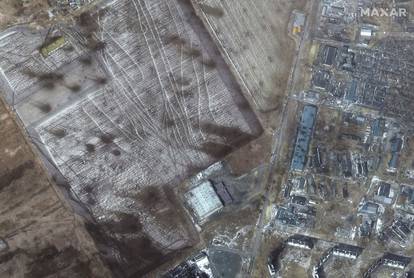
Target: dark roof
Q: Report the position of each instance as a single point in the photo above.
(393, 163)
(410, 192)
(301, 239)
(299, 200)
(351, 93)
(397, 259)
(396, 144)
(286, 217)
(321, 79)
(223, 193)
(369, 207)
(384, 189)
(377, 127)
(273, 259)
(348, 249)
(184, 270)
(402, 227)
(329, 55)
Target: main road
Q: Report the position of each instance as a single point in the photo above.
(278, 135)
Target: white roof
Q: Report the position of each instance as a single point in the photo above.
(203, 264)
(203, 200)
(365, 32)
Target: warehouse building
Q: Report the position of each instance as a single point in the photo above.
(203, 201)
(223, 193)
(303, 138)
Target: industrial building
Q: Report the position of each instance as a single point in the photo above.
(223, 193)
(303, 137)
(369, 208)
(329, 55)
(396, 144)
(203, 201)
(351, 94)
(377, 127)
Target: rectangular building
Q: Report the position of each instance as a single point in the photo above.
(203, 201)
(223, 193)
(303, 137)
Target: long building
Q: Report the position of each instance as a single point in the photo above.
(303, 138)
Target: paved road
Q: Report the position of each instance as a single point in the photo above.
(278, 137)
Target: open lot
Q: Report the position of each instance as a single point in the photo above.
(253, 36)
(225, 264)
(20, 11)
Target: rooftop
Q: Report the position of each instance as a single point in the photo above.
(203, 200)
(303, 137)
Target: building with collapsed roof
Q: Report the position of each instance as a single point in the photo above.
(369, 208)
(395, 261)
(406, 198)
(273, 263)
(399, 231)
(384, 193)
(347, 251)
(317, 270)
(366, 227)
(287, 217)
(198, 266)
(377, 127)
(351, 93)
(329, 55)
(301, 241)
(340, 250)
(321, 79)
(369, 212)
(390, 260)
(299, 200)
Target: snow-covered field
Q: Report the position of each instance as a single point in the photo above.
(149, 109)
